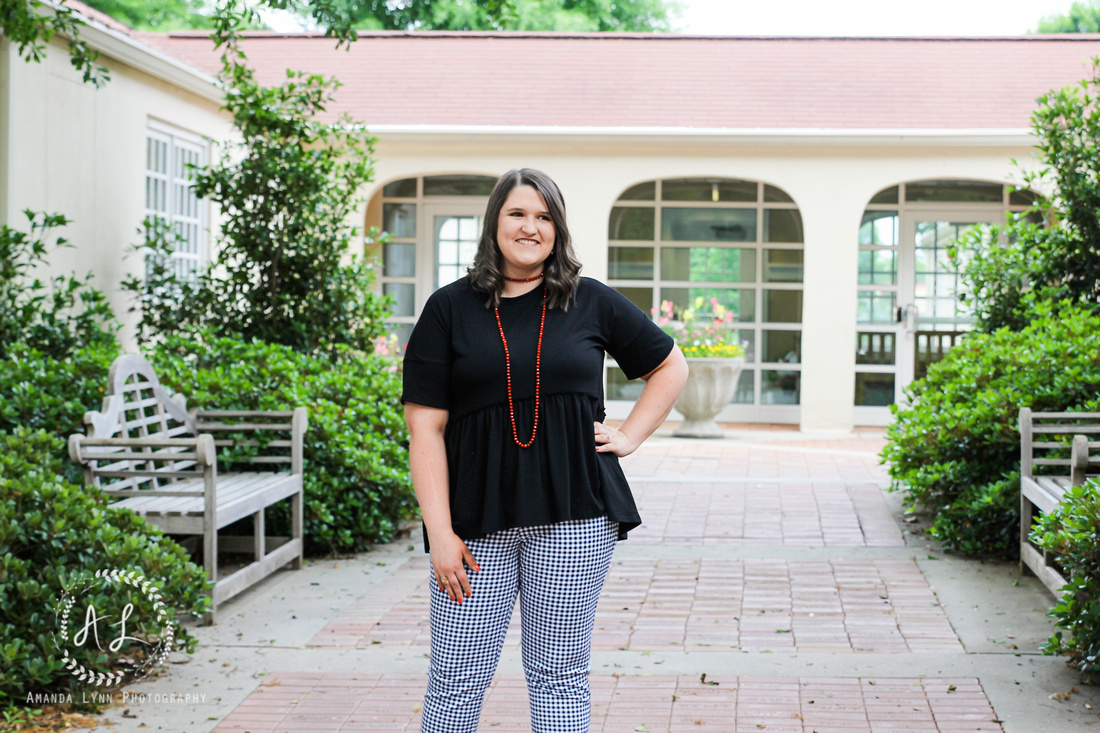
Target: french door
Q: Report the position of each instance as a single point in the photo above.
(454, 229)
(895, 347)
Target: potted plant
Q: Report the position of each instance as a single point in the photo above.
(715, 358)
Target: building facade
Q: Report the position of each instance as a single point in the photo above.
(812, 186)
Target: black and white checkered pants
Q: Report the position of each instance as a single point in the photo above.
(558, 571)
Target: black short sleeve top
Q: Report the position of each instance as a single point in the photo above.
(455, 361)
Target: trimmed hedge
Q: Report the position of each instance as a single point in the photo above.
(955, 450)
(1072, 533)
(357, 486)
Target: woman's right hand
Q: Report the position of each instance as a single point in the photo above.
(448, 554)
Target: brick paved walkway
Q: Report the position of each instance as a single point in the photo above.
(715, 571)
(386, 702)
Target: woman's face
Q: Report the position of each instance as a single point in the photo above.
(525, 232)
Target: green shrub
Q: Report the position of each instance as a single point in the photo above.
(357, 488)
(955, 450)
(57, 318)
(52, 531)
(1072, 534)
(1058, 262)
(40, 392)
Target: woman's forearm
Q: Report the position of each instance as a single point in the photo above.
(662, 387)
(430, 478)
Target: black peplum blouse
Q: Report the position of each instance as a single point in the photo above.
(455, 361)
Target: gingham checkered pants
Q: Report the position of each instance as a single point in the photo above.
(557, 571)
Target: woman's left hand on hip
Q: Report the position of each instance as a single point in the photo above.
(612, 440)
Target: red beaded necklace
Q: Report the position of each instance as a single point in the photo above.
(508, 371)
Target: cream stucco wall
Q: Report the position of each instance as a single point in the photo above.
(80, 151)
(831, 182)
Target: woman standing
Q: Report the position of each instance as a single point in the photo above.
(516, 474)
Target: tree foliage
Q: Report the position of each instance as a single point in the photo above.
(1053, 253)
(30, 25)
(524, 15)
(1082, 17)
(157, 15)
(56, 316)
(286, 191)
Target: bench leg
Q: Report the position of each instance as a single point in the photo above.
(1027, 511)
(210, 563)
(296, 513)
(259, 540)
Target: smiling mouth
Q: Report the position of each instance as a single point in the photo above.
(528, 242)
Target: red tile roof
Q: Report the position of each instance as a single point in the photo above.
(641, 80)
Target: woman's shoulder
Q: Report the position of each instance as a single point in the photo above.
(592, 287)
(455, 293)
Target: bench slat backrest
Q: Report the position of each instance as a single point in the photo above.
(137, 406)
(1038, 450)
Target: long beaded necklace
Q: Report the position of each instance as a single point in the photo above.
(508, 366)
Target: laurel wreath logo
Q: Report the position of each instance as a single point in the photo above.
(114, 577)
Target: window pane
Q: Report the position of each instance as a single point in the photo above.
(630, 263)
(404, 297)
(641, 297)
(784, 346)
(1022, 197)
(779, 387)
(707, 189)
(621, 388)
(875, 347)
(874, 390)
(741, 301)
(886, 196)
(399, 219)
(783, 306)
(875, 306)
(744, 394)
(747, 337)
(631, 222)
(642, 192)
(708, 264)
(878, 267)
(708, 225)
(879, 227)
(399, 260)
(783, 266)
(459, 185)
(776, 195)
(405, 188)
(402, 331)
(782, 225)
(954, 191)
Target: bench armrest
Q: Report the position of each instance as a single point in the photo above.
(202, 449)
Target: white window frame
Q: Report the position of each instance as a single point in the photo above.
(180, 209)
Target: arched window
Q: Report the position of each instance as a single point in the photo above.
(738, 241)
(908, 312)
(433, 224)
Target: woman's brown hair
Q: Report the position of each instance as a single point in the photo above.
(561, 272)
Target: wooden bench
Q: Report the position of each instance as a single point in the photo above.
(1058, 444)
(159, 460)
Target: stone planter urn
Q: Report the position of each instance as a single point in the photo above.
(711, 384)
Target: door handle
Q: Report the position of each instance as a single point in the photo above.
(912, 318)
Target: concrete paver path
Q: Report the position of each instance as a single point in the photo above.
(773, 587)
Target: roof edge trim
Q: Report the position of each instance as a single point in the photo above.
(1012, 137)
(121, 47)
